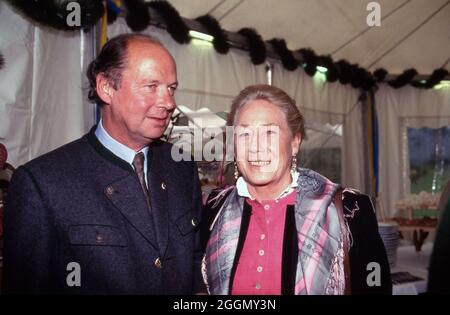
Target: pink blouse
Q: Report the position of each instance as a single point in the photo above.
(259, 267)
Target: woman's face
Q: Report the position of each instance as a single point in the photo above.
(264, 145)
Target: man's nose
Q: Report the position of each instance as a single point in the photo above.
(167, 100)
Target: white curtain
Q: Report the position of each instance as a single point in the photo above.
(206, 78)
(42, 103)
(333, 103)
(397, 110)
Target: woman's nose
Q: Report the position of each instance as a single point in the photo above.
(253, 145)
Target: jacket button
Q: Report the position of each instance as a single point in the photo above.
(158, 263)
(163, 185)
(99, 238)
(109, 190)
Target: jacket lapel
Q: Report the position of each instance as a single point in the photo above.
(124, 192)
(290, 253)
(157, 185)
(127, 195)
(245, 222)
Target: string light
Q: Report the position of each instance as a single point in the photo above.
(321, 69)
(201, 36)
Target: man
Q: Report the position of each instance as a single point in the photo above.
(110, 213)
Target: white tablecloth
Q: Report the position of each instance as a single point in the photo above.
(416, 263)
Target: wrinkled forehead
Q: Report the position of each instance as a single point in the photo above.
(260, 112)
(139, 50)
(256, 129)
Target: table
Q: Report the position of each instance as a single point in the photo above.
(421, 228)
(416, 263)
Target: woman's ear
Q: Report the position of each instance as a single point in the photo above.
(296, 141)
(104, 89)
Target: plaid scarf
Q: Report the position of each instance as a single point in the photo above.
(320, 233)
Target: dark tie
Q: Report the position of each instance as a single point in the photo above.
(138, 163)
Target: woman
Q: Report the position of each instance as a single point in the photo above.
(282, 229)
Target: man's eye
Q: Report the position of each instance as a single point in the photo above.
(172, 90)
(151, 86)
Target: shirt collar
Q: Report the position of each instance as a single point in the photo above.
(242, 187)
(117, 148)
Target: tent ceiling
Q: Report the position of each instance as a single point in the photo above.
(413, 33)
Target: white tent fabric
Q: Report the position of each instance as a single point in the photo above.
(201, 122)
(397, 110)
(327, 136)
(339, 28)
(201, 118)
(41, 98)
(207, 79)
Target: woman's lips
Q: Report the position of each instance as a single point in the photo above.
(259, 163)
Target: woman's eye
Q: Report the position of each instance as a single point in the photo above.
(242, 132)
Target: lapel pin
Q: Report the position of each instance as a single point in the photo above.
(194, 222)
(158, 263)
(109, 190)
(163, 185)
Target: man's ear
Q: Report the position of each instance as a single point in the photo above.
(104, 88)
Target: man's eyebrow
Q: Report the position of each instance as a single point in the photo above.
(147, 81)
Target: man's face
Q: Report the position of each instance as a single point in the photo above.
(139, 111)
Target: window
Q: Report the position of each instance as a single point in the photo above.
(321, 151)
(429, 159)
